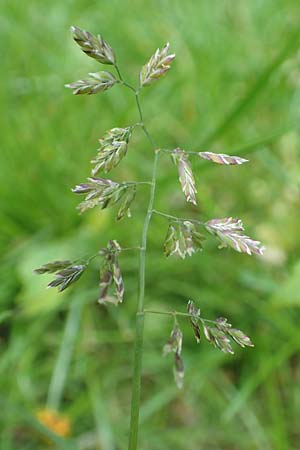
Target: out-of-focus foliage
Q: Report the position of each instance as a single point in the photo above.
(233, 89)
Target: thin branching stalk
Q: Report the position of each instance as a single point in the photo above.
(175, 218)
(176, 314)
(183, 236)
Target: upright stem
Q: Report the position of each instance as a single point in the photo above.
(139, 327)
(139, 331)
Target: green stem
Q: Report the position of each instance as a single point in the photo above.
(139, 330)
(136, 182)
(139, 333)
(149, 137)
(119, 73)
(165, 150)
(176, 313)
(177, 219)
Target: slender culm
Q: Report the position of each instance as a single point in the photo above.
(138, 353)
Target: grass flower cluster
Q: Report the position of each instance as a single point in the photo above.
(184, 236)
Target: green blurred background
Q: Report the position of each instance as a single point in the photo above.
(233, 88)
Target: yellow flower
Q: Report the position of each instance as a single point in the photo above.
(55, 421)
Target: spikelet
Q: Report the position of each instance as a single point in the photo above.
(186, 177)
(93, 46)
(222, 158)
(110, 275)
(103, 193)
(194, 316)
(156, 67)
(220, 335)
(113, 148)
(174, 345)
(229, 232)
(66, 273)
(96, 82)
(182, 239)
